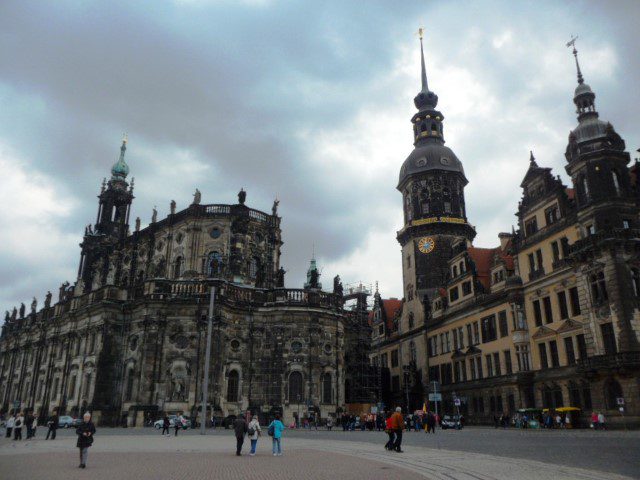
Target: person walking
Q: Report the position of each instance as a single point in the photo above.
(431, 423)
(601, 421)
(397, 423)
(275, 431)
(390, 433)
(17, 427)
(53, 425)
(240, 427)
(253, 432)
(85, 433)
(165, 425)
(177, 424)
(29, 423)
(329, 423)
(594, 420)
(11, 421)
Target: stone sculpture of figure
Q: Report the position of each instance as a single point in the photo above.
(22, 309)
(274, 209)
(137, 224)
(154, 215)
(6, 316)
(242, 196)
(34, 305)
(426, 305)
(280, 277)
(172, 206)
(177, 389)
(14, 314)
(197, 197)
(62, 291)
(337, 285)
(47, 300)
(314, 278)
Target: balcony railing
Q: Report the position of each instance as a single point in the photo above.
(610, 362)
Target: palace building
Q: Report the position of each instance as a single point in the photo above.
(550, 317)
(127, 340)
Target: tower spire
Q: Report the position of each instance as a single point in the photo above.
(572, 43)
(120, 169)
(425, 85)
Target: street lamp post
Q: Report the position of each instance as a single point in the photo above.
(207, 359)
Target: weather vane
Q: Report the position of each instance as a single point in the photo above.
(572, 42)
(125, 138)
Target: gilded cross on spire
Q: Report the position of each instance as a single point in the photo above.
(425, 85)
(572, 43)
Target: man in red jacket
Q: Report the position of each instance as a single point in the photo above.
(390, 432)
(397, 422)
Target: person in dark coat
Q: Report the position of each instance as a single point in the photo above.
(53, 425)
(240, 427)
(165, 425)
(85, 433)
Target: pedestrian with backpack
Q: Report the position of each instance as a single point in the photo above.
(240, 427)
(254, 431)
(275, 432)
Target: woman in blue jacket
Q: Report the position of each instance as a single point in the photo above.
(275, 429)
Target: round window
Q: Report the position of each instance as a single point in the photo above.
(133, 343)
(327, 348)
(444, 161)
(235, 344)
(179, 237)
(182, 341)
(215, 232)
(296, 346)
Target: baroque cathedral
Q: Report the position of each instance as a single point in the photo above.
(127, 340)
(550, 317)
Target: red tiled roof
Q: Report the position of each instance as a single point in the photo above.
(391, 306)
(483, 258)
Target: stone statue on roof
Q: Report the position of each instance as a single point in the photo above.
(34, 305)
(197, 197)
(47, 300)
(242, 196)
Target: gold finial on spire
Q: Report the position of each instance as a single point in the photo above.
(421, 32)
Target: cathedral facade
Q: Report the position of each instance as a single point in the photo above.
(127, 340)
(550, 317)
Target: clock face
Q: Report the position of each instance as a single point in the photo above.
(426, 244)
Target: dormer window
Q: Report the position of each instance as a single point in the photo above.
(455, 271)
(552, 214)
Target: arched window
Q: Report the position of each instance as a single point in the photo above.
(635, 281)
(574, 395)
(585, 188)
(411, 320)
(326, 388)
(434, 128)
(423, 128)
(233, 382)
(412, 351)
(254, 265)
(214, 264)
(612, 391)
(295, 388)
(616, 181)
(462, 267)
(177, 267)
(455, 271)
(87, 385)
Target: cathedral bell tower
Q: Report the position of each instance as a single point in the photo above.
(111, 228)
(432, 184)
(597, 164)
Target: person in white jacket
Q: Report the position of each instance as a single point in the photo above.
(11, 421)
(253, 432)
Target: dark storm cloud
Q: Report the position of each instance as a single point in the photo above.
(219, 95)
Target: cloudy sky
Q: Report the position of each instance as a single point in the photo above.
(307, 101)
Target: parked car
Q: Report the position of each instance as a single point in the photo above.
(172, 421)
(66, 421)
(451, 421)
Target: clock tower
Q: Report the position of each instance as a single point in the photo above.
(432, 184)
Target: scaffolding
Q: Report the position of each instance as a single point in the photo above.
(361, 379)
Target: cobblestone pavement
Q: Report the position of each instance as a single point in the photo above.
(144, 454)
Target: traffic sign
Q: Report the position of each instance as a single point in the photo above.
(620, 401)
(456, 402)
(435, 397)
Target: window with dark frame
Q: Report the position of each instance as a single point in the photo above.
(548, 312)
(542, 348)
(568, 348)
(562, 302)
